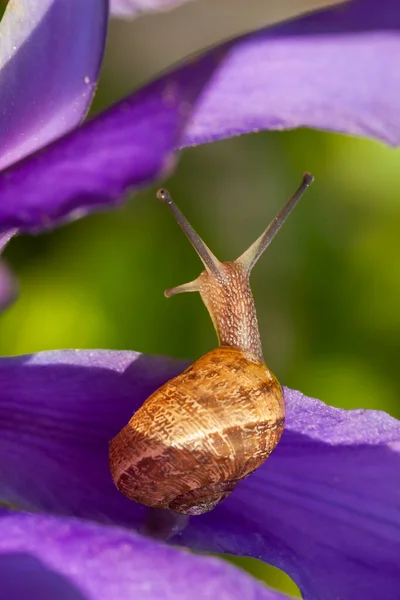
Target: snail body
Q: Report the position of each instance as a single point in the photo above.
(205, 430)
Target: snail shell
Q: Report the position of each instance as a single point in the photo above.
(200, 433)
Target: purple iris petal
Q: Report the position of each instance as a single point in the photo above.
(332, 70)
(133, 8)
(325, 507)
(131, 144)
(91, 394)
(46, 558)
(50, 56)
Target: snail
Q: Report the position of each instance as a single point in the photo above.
(205, 430)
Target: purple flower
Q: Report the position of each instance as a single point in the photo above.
(325, 507)
(38, 105)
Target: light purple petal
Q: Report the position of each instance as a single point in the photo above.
(46, 558)
(325, 507)
(334, 70)
(134, 8)
(5, 238)
(50, 56)
(8, 283)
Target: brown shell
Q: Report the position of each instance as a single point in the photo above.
(200, 433)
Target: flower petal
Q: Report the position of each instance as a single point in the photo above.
(129, 145)
(5, 238)
(333, 70)
(50, 56)
(47, 558)
(67, 401)
(325, 507)
(134, 8)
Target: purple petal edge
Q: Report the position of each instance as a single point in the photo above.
(129, 145)
(332, 70)
(47, 558)
(6, 237)
(325, 507)
(50, 57)
(134, 8)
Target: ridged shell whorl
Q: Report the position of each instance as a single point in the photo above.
(200, 433)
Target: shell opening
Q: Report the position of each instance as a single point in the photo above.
(202, 500)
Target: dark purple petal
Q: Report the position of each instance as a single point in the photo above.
(325, 507)
(332, 70)
(50, 55)
(129, 145)
(43, 558)
(133, 8)
(8, 283)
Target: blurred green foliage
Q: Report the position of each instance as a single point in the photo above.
(327, 291)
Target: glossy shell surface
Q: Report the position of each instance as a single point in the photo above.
(200, 433)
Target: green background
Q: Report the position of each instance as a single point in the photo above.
(327, 290)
